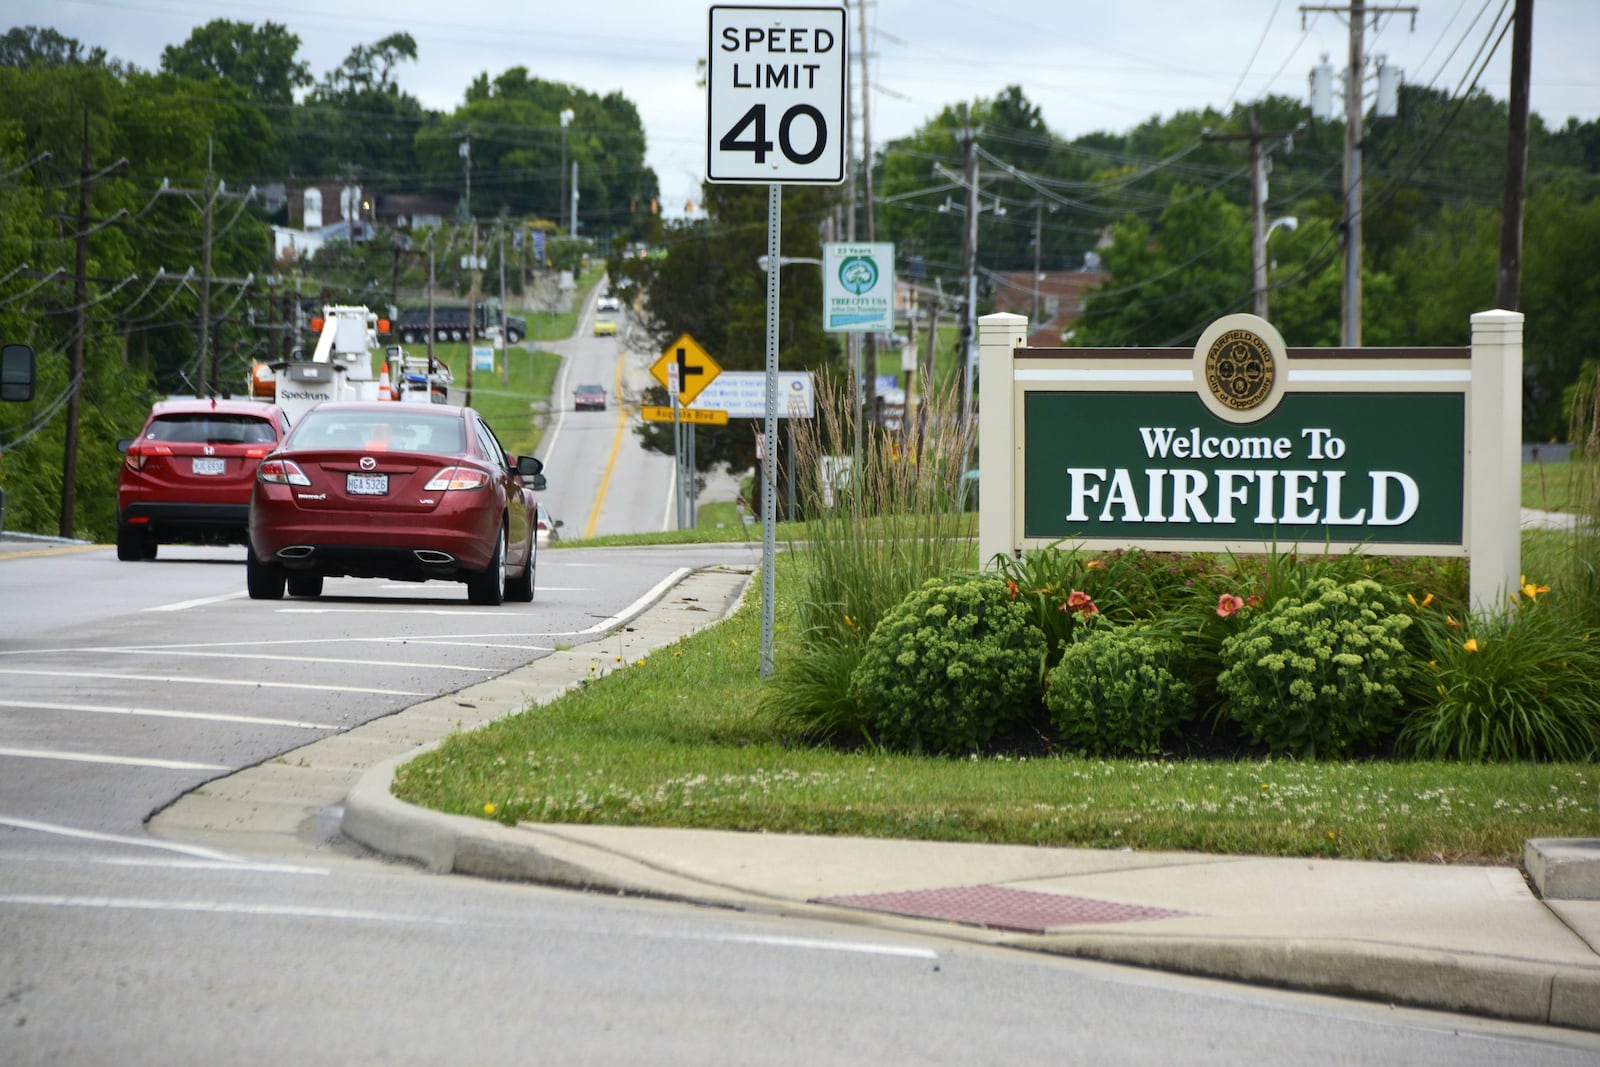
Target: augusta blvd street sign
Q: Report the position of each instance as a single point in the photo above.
(775, 95)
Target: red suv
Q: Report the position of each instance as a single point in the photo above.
(188, 475)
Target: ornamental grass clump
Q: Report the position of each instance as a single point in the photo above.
(1319, 675)
(955, 664)
(1519, 684)
(1120, 690)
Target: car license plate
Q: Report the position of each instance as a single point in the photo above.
(366, 484)
(209, 465)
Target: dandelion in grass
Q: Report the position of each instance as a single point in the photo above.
(1229, 605)
(489, 809)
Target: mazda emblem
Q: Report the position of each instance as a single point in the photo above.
(368, 463)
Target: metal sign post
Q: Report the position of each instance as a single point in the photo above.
(776, 100)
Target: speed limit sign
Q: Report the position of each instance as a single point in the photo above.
(775, 95)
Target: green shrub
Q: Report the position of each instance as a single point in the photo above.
(955, 663)
(1516, 685)
(1120, 689)
(1318, 676)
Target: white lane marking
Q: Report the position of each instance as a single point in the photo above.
(865, 947)
(295, 659)
(159, 713)
(480, 644)
(643, 602)
(123, 761)
(115, 839)
(452, 612)
(198, 602)
(221, 907)
(173, 679)
(252, 866)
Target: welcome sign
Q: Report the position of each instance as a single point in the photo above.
(1242, 444)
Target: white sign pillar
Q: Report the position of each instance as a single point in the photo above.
(1494, 460)
(999, 335)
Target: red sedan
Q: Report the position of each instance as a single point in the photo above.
(407, 492)
(187, 477)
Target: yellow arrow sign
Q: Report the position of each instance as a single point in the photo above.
(694, 368)
(700, 416)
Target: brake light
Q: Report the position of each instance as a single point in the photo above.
(140, 452)
(457, 478)
(257, 453)
(282, 472)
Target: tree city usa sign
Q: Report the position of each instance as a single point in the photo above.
(775, 95)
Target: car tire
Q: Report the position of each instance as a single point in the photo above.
(519, 590)
(456, 335)
(308, 585)
(130, 543)
(513, 337)
(408, 338)
(488, 587)
(265, 581)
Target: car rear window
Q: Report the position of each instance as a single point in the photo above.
(211, 428)
(399, 432)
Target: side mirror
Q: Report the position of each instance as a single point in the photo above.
(529, 466)
(16, 373)
(124, 444)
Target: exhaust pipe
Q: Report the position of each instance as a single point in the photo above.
(295, 552)
(433, 558)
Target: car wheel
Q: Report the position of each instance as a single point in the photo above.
(455, 335)
(441, 334)
(520, 589)
(130, 543)
(514, 337)
(489, 586)
(305, 585)
(408, 338)
(265, 581)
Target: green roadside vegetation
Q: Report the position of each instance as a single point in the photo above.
(678, 739)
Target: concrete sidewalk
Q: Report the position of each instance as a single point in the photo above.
(1468, 939)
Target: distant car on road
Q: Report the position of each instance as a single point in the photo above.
(546, 529)
(609, 302)
(605, 327)
(407, 492)
(187, 477)
(589, 397)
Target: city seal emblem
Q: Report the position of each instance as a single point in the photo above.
(1239, 369)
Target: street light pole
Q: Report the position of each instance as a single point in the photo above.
(566, 120)
(1288, 222)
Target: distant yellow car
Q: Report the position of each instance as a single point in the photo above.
(605, 327)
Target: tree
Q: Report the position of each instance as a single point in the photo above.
(357, 123)
(261, 61)
(29, 46)
(708, 285)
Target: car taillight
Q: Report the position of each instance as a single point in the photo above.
(257, 453)
(140, 453)
(282, 472)
(457, 478)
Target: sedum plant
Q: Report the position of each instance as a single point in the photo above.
(953, 665)
(1119, 690)
(1319, 675)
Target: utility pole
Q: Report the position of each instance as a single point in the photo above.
(1508, 280)
(209, 194)
(80, 300)
(869, 354)
(472, 314)
(969, 262)
(505, 339)
(1260, 165)
(1357, 12)
(574, 231)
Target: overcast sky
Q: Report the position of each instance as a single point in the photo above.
(1089, 64)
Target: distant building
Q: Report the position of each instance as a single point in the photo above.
(1059, 294)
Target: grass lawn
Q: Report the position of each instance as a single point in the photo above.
(679, 739)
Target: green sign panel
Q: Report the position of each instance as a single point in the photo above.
(1340, 467)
